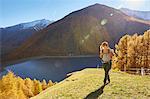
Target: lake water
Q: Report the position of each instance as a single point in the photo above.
(55, 69)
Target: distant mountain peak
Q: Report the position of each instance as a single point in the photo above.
(17, 34)
(42, 22)
(144, 15)
(26, 25)
(133, 10)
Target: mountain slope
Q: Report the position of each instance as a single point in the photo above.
(88, 84)
(13, 36)
(145, 15)
(80, 33)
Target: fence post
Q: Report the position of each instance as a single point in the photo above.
(125, 69)
(142, 71)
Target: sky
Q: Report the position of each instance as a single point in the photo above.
(13, 12)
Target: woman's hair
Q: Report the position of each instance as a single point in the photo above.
(104, 44)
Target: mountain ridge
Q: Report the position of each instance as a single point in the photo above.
(46, 21)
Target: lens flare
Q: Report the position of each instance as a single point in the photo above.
(87, 36)
(82, 41)
(111, 14)
(103, 21)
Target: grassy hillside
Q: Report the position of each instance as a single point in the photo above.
(88, 84)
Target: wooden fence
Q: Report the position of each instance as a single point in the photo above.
(141, 71)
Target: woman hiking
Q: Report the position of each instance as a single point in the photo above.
(106, 54)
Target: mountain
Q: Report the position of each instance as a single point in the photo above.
(79, 33)
(13, 36)
(145, 15)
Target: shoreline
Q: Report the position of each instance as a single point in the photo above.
(3, 66)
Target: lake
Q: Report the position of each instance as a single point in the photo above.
(52, 68)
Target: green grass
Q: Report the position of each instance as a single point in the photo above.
(83, 83)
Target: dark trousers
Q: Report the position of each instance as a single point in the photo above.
(107, 67)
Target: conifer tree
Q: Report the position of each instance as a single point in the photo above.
(132, 51)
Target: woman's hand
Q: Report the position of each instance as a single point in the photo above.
(111, 54)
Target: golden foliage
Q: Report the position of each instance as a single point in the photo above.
(132, 51)
(14, 87)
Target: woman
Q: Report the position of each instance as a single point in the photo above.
(106, 54)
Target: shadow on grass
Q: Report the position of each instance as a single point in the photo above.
(95, 94)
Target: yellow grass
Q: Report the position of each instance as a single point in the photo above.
(82, 83)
